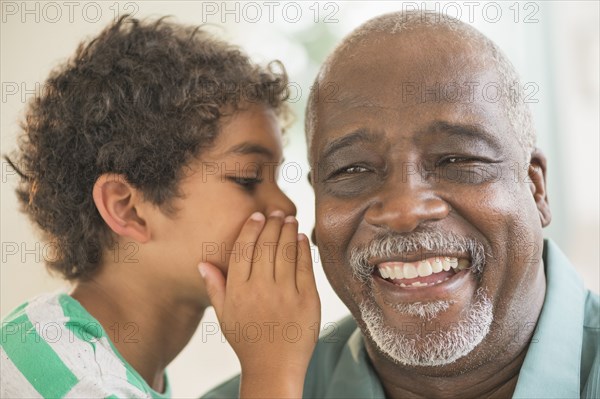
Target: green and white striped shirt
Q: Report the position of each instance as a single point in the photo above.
(53, 348)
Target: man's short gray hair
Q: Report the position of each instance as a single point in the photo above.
(511, 99)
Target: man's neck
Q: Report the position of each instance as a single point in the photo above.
(148, 325)
(483, 382)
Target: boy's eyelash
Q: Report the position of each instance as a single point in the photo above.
(248, 183)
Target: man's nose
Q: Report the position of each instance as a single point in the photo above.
(279, 201)
(403, 206)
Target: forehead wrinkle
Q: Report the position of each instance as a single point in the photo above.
(358, 135)
(356, 100)
(466, 130)
(346, 101)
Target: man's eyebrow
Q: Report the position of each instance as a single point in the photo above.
(359, 135)
(464, 130)
(247, 148)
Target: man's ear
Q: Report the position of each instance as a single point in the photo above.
(537, 176)
(119, 204)
(313, 234)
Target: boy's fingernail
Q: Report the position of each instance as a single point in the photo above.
(302, 236)
(257, 217)
(277, 214)
(290, 219)
(202, 269)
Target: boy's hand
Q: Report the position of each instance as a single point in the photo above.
(269, 308)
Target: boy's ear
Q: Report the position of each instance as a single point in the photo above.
(119, 205)
(537, 177)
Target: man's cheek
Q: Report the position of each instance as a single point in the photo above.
(490, 207)
(329, 249)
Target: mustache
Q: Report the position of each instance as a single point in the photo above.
(386, 245)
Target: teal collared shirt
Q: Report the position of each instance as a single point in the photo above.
(563, 359)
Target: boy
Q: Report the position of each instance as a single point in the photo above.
(155, 142)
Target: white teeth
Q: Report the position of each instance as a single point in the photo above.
(446, 263)
(399, 272)
(417, 284)
(453, 263)
(410, 271)
(424, 269)
(391, 272)
(402, 285)
(436, 265)
(386, 271)
(383, 272)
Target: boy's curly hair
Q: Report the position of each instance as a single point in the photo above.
(142, 99)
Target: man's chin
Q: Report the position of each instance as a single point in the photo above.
(430, 333)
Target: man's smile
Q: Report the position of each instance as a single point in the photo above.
(424, 278)
(424, 273)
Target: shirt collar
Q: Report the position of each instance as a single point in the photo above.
(356, 378)
(552, 365)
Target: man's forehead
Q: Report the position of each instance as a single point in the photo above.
(405, 102)
(386, 88)
(431, 69)
(418, 55)
(385, 70)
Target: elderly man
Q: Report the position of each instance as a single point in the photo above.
(430, 204)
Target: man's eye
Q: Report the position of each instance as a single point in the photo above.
(248, 183)
(349, 170)
(355, 169)
(456, 160)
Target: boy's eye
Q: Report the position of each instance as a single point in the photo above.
(248, 183)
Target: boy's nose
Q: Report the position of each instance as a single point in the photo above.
(280, 201)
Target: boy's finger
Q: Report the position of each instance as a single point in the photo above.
(240, 260)
(305, 276)
(215, 286)
(263, 265)
(285, 261)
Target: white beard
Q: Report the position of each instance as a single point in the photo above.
(434, 348)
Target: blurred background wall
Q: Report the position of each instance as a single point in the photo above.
(554, 45)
